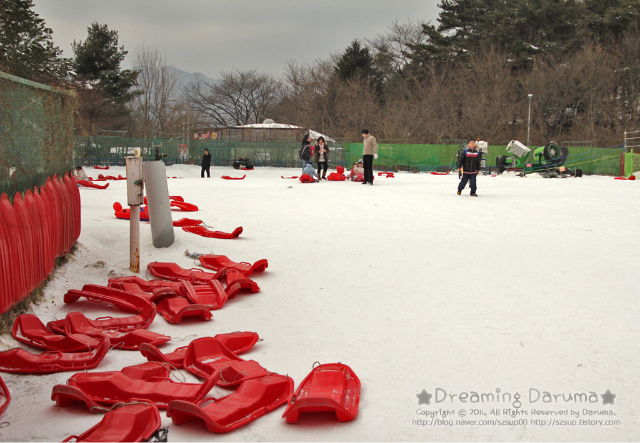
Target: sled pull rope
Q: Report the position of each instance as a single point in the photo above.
(314, 364)
(5, 424)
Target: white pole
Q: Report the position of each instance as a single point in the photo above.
(135, 196)
(529, 123)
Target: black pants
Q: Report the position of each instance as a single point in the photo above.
(205, 168)
(367, 162)
(322, 165)
(471, 178)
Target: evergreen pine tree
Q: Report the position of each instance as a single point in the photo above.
(357, 63)
(26, 49)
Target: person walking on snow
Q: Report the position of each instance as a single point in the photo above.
(206, 163)
(469, 166)
(369, 152)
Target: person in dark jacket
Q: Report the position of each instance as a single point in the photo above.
(305, 150)
(469, 165)
(322, 156)
(206, 163)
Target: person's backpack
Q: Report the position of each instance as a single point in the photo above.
(305, 153)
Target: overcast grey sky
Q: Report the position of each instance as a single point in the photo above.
(211, 36)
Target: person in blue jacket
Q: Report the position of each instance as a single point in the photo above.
(469, 166)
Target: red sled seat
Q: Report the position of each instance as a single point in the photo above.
(5, 396)
(108, 388)
(306, 178)
(175, 309)
(236, 342)
(19, 360)
(173, 272)
(329, 387)
(252, 400)
(217, 262)
(127, 423)
(28, 329)
(204, 232)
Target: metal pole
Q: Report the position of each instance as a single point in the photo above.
(529, 123)
(134, 199)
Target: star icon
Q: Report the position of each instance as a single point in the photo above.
(424, 398)
(607, 398)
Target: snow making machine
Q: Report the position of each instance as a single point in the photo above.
(546, 159)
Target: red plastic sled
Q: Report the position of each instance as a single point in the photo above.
(19, 360)
(252, 400)
(226, 177)
(128, 423)
(125, 214)
(101, 167)
(288, 178)
(306, 178)
(235, 277)
(28, 329)
(182, 206)
(439, 173)
(108, 388)
(187, 222)
(173, 272)
(89, 184)
(204, 232)
(5, 396)
(632, 177)
(207, 356)
(387, 174)
(175, 309)
(236, 342)
(77, 323)
(217, 262)
(329, 387)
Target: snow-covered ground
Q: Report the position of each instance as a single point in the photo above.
(529, 290)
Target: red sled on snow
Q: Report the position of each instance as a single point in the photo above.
(89, 184)
(226, 177)
(101, 167)
(5, 396)
(76, 323)
(128, 423)
(329, 387)
(252, 400)
(21, 361)
(204, 232)
(387, 174)
(439, 173)
(28, 329)
(175, 309)
(125, 214)
(97, 389)
(218, 262)
(173, 272)
(186, 222)
(289, 178)
(236, 342)
(207, 356)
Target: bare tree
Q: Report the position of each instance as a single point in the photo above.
(157, 110)
(238, 98)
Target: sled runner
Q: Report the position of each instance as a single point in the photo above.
(207, 355)
(187, 222)
(89, 184)
(19, 360)
(204, 232)
(128, 423)
(175, 309)
(173, 272)
(252, 400)
(108, 388)
(236, 342)
(5, 396)
(217, 262)
(28, 329)
(328, 387)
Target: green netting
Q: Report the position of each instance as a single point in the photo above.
(112, 150)
(36, 133)
(416, 158)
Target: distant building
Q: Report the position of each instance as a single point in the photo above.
(269, 131)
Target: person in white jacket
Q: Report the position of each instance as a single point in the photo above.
(369, 152)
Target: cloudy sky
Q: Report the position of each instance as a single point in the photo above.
(211, 36)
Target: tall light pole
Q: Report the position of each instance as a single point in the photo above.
(529, 122)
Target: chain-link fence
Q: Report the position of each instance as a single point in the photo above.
(36, 133)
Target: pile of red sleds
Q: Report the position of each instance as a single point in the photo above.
(132, 397)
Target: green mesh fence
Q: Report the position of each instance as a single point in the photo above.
(111, 150)
(36, 133)
(418, 158)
